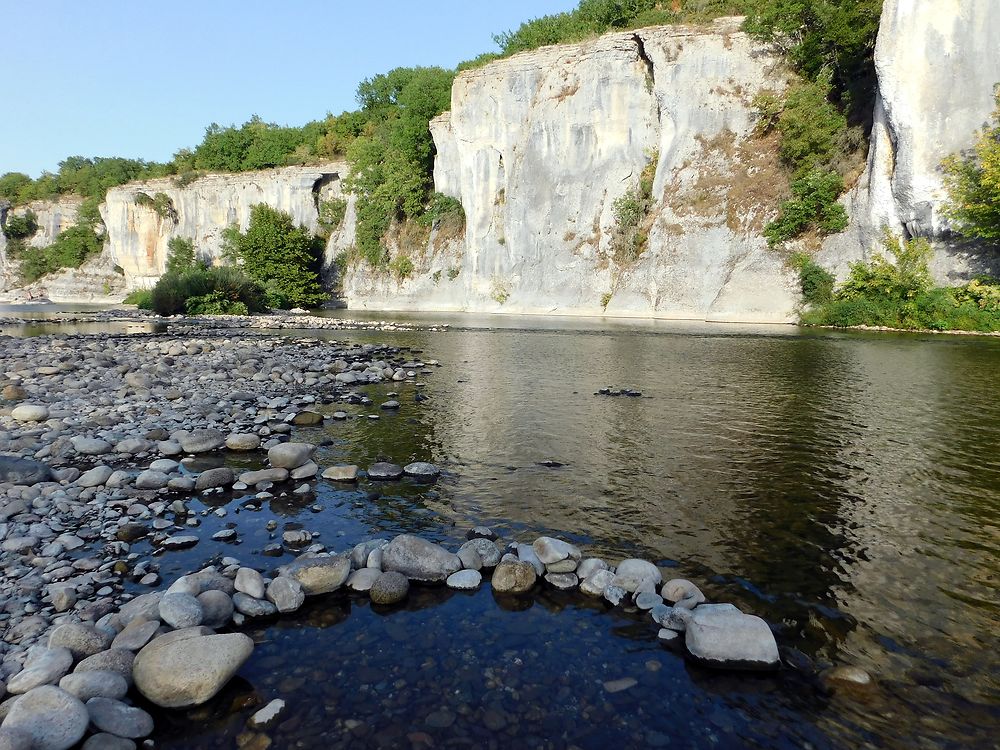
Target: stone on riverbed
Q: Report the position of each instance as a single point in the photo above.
(181, 610)
(96, 477)
(179, 541)
(722, 636)
(51, 717)
(212, 478)
(596, 582)
(105, 741)
(552, 551)
(200, 441)
(289, 455)
(136, 634)
(90, 446)
(82, 640)
(87, 685)
(513, 577)
(243, 441)
(30, 413)
(285, 593)
(489, 553)
(44, 666)
(217, 608)
(465, 580)
(247, 605)
(266, 717)
(263, 475)
(631, 573)
(385, 471)
(363, 579)
(151, 479)
(186, 668)
(23, 471)
(346, 473)
(419, 560)
(389, 588)
(115, 660)
(116, 718)
(682, 593)
(422, 470)
(319, 574)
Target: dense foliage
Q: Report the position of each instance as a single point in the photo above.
(897, 292)
(69, 250)
(180, 255)
(283, 258)
(392, 163)
(973, 181)
(20, 226)
(218, 290)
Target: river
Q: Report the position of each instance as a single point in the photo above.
(844, 486)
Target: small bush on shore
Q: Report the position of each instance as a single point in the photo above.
(897, 292)
(141, 298)
(208, 291)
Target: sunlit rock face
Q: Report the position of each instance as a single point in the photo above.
(937, 66)
(539, 146)
(201, 211)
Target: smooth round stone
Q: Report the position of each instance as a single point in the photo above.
(465, 580)
(286, 594)
(489, 553)
(250, 478)
(136, 634)
(51, 717)
(243, 441)
(647, 600)
(345, 473)
(419, 559)
(30, 413)
(247, 605)
(217, 608)
(180, 610)
(212, 478)
(96, 477)
(682, 593)
(481, 532)
(847, 675)
(631, 573)
(526, 553)
(44, 666)
(166, 465)
(390, 404)
(133, 446)
(320, 574)
(187, 668)
(665, 635)
(116, 660)
(422, 470)
(82, 640)
(151, 479)
(513, 577)
(597, 582)
(562, 566)
(289, 455)
(179, 541)
(116, 718)
(363, 579)
(563, 581)
(389, 588)
(91, 446)
(307, 471)
(591, 565)
(385, 471)
(307, 419)
(550, 550)
(250, 582)
(87, 685)
(201, 441)
(470, 558)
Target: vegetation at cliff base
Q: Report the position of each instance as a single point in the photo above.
(218, 290)
(895, 290)
(973, 182)
(283, 258)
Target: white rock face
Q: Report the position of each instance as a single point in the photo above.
(138, 236)
(539, 146)
(937, 64)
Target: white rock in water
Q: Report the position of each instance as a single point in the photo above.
(419, 560)
(250, 582)
(266, 717)
(597, 582)
(727, 638)
(289, 456)
(631, 573)
(465, 580)
(550, 550)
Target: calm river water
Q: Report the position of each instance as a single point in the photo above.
(844, 486)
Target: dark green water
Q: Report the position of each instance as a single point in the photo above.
(845, 487)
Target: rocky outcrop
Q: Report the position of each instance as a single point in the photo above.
(538, 147)
(937, 67)
(200, 211)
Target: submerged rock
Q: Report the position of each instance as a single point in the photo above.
(318, 575)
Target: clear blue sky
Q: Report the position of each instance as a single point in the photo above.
(143, 79)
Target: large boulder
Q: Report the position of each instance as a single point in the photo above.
(419, 560)
(51, 717)
(318, 575)
(23, 471)
(719, 635)
(187, 668)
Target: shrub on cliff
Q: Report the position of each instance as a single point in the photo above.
(21, 227)
(180, 255)
(218, 290)
(973, 182)
(70, 249)
(283, 258)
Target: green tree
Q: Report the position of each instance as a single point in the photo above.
(282, 257)
(180, 255)
(11, 185)
(973, 182)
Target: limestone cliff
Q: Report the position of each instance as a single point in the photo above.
(937, 64)
(538, 147)
(200, 211)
